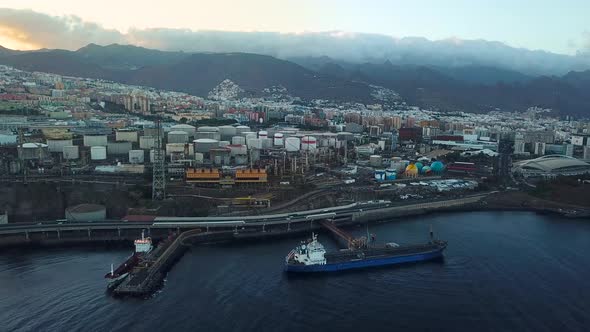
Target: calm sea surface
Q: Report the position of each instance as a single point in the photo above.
(501, 272)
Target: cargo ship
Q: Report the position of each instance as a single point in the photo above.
(310, 256)
(143, 247)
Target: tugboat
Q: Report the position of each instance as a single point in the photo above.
(143, 247)
(311, 256)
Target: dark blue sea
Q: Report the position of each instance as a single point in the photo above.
(502, 271)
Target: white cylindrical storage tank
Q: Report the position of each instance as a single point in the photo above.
(238, 140)
(254, 143)
(254, 155)
(199, 157)
(237, 149)
(119, 148)
(309, 143)
(292, 144)
(98, 153)
(33, 151)
(241, 129)
(332, 142)
(227, 132)
(147, 142)
(223, 143)
(263, 134)
(278, 139)
(190, 130)
(207, 135)
(249, 134)
(71, 152)
(208, 129)
(177, 136)
(95, 140)
(126, 135)
(203, 145)
(266, 143)
(136, 156)
(86, 212)
(376, 160)
(57, 145)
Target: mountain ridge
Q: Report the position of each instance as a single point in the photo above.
(470, 88)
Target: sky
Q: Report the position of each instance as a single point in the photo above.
(555, 26)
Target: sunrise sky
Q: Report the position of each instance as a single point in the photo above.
(556, 26)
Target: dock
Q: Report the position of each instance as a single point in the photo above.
(145, 279)
(345, 239)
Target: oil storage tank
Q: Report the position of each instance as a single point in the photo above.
(98, 153)
(57, 145)
(379, 175)
(190, 130)
(278, 139)
(238, 140)
(86, 212)
(126, 135)
(33, 151)
(249, 134)
(237, 149)
(119, 148)
(254, 143)
(411, 171)
(147, 142)
(390, 174)
(136, 156)
(309, 143)
(95, 140)
(71, 152)
(203, 145)
(375, 160)
(208, 135)
(241, 129)
(227, 132)
(266, 143)
(292, 144)
(437, 167)
(177, 136)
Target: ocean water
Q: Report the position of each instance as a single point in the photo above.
(502, 271)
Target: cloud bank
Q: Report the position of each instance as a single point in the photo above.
(71, 32)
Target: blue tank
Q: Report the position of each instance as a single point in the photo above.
(419, 166)
(437, 167)
(380, 175)
(390, 174)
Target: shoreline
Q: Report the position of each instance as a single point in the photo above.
(258, 235)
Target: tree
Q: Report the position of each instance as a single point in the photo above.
(183, 120)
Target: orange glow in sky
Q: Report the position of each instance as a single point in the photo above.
(12, 39)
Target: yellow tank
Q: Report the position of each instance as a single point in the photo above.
(411, 170)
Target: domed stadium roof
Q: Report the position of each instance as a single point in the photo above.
(556, 164)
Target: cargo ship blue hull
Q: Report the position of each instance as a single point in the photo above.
(365, 263)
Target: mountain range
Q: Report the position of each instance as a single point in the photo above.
(471, 88)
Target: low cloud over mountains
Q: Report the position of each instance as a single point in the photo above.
(70, 32)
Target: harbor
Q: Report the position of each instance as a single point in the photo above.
(146, 278)
(224, 280)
